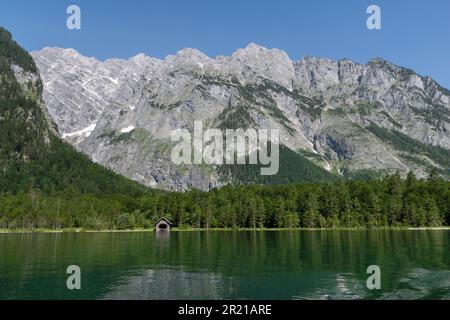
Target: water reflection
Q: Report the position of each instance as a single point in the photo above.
(227, 265)
(168, 285)
(337, 287)
(162, 235)
(422, 284)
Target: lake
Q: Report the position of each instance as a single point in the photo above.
(415, 264)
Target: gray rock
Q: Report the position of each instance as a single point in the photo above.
(122, 112)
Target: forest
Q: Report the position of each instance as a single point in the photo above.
(377, 203)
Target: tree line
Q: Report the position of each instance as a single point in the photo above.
(387, 202)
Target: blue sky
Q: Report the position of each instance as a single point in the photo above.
(414, 34)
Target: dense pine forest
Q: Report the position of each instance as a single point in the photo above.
(387, 202)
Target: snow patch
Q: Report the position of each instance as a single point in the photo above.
(86, 132)
(115, 81)
(127, 129)
(328, 166)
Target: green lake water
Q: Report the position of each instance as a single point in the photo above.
(227, 265)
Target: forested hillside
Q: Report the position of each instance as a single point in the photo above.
(32, 157)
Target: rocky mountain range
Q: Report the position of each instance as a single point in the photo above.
(336, 118)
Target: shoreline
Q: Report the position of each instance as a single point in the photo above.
(81, 230)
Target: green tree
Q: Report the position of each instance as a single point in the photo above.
(311, 216)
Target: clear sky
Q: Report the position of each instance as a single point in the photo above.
(415, 34)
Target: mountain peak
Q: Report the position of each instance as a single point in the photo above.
(191, 53)
(256, 50)
(139, 56)
(378, 60)
(58, 50)
(255, 46)
(143, 59)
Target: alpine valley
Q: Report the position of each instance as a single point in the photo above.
(336, 118)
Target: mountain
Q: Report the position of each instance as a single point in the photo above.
(32, 156)
(336, 118)
(133, 105)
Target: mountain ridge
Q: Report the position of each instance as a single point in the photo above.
(322, 106)
(142, 55)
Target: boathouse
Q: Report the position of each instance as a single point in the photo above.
(163, 225)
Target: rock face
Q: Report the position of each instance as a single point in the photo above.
(346, 117)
